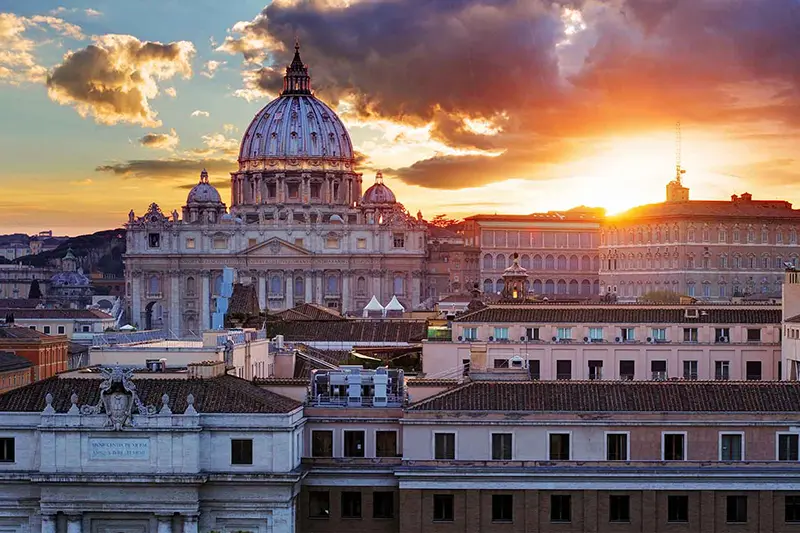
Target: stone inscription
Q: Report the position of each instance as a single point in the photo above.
(131, 449)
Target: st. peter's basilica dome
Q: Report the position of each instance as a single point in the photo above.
(296, 125)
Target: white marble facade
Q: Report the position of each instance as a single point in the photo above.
(165, 472)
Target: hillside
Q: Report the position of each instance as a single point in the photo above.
(101, 251)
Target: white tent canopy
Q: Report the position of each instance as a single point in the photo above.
(395, 305)
(127, 327)
(374, 306)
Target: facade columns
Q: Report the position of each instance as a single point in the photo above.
(190, 523)
(289, 281)
(345, 291)
(205, 303)
(74, 523)
(164, 523)
(318, 274)
(308, 284)
(262, 290)
(48, 523)
(174, 302)
(376, 286)
(136, 299)
(416, 289)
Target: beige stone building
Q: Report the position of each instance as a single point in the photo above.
(712, 250)
(298, 227)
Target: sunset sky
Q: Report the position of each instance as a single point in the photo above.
(468, 106)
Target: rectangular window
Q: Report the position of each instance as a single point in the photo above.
(788, 447)
(382, 504)
(596, 369)
(627, 334)
(219, 243)
(502, 508)
(399, 240)
(242, 451)
(532, 334)
(616, 446)
(558, 446)
(722, 370)
(736, 509)
(560, 508)
(470, 334)
(444, 445)
(299, 243)
(595, 334)
(294, 191)
(753, 334)
(627, 369)
(361, 244)
(563, 369)
(731, 446)
(322, 443)
(689, 334)
(500, 334)
(86, 329)
(753, 370)
(354, 444)
(60, 330)
(190, 243)
(443, 508)
(658, 369)
(564, 334)
(722, 335)
(674, 447)
(316, 190)
(385, 444)
(659, 334)
(351, 504)
(331, 242)
(319, 504)
(501, 446)
(791, 506)
(154, 240)
(7, 450)
(534, 369)
(46, 330)
(690, 370)
(677, 508)
(619, 508)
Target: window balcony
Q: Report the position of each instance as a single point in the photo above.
(155, 295)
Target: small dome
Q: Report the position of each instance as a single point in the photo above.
(203, 192)
(69, 279)
(379, 193)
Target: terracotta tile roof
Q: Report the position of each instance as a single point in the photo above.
(19, 303)
(349, 330)
(431, 382)
(11, 361)
(76, 348)
(283, 381)
(87, 314)
(18, 332)
(224, 394)
(244, 300)
(546, 314)
(618, 396)
(710, 209)
(309, 312)
(793, 320)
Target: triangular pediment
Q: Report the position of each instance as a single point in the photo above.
(275, 246)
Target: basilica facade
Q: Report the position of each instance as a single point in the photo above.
(298, 226)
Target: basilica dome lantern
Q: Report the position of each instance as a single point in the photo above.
(203, 203)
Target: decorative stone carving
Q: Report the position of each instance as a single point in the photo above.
(118, 399)
(165, 410)
(48, 408)
(190, 410)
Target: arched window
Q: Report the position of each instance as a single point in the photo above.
(573, 286)
(500, 262)
(596, 266)
(299, 287)
(562, 262)
(499, 286)
(525, 261)
(549, 263)
(586, 263)
(488, 286)
(596, 287)
(690, 289)
(561, 287)
(487, 262)
(332, 284)
(154, 285)
(536, 264)
(537, 286)
(190, 285)
(573, 262)
(549, 287)
(275, 285)
(361, 286)
(398, 285)
(586, 287)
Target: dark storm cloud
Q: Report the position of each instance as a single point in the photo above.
(635, 66)
(170, 169)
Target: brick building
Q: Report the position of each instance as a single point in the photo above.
(49, 354)
(15, 371)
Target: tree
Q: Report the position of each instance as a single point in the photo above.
(441, 221)
(660, 297)
(35, 293)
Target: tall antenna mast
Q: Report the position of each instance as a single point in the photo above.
(678, 142)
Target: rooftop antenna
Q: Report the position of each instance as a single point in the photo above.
(678, 142)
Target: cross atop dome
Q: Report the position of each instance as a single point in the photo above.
(204, 176)
(379, 177)
(296, 80)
